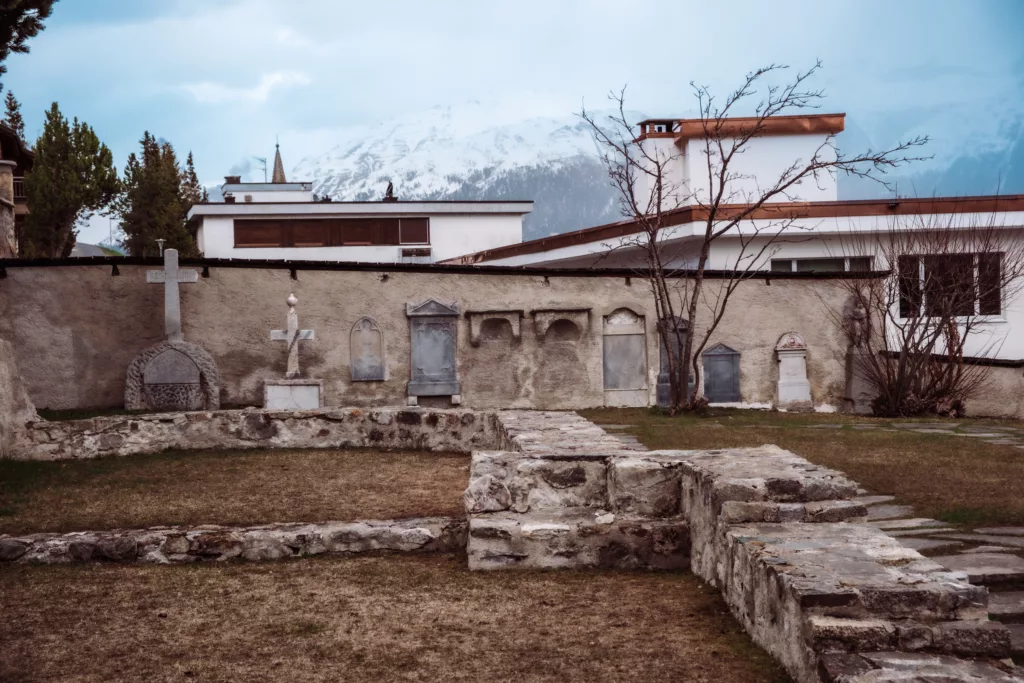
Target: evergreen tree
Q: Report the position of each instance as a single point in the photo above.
(19, 21)
(73, 176)
(12, 117)
(155, 199)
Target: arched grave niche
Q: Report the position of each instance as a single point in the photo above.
(561, 374)
(366, 346)
(624, 358)
(495, 364)
(172, 376)
(722, 374)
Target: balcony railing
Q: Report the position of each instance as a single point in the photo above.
(19, 188)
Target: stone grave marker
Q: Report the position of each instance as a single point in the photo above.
(794, 390)
(292, 392)
(366, 344)
(433, 369)
(174, 374)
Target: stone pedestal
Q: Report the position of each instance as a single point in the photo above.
(794, 390)
(859, 391)
(293, 394)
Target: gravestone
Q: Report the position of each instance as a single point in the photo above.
(625, 359)
(434, 368)
(794, 390)
(722, 374)
(292, 392)
(367, 348)
(859, 390)
(174, 374)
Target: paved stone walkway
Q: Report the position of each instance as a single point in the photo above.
(1003, 436)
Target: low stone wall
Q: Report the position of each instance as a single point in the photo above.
(168, 545)
(459, 431)
(832, 599)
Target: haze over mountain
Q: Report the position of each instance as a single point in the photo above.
(478, 151)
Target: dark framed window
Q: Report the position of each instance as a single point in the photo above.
(330, 232)
(959, 285)
(821, 265)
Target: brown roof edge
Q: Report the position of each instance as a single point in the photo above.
(850, 208)
(796, 124)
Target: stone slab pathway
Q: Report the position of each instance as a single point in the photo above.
(1007, 606)
(883, 512)
(986, 568)
(1002, 436)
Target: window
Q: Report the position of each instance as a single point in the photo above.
(822, 265)
(330, 232)
(950, 285)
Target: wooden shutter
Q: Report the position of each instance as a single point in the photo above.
(260, 233)
(357, 231)
(415, 231)
(309, 233)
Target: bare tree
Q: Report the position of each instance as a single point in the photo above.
(950, 276)
(657, 201)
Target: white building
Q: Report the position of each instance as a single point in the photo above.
(809, 230)
(284, 221)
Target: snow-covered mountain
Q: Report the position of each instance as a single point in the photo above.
(487, 151)
(474, 151)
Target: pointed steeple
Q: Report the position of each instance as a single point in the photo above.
(278, 176)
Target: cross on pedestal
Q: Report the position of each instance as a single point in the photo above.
(169, 277)
(292, 336)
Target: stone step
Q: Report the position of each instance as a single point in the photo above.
(874, 500)
(1007, 607)
(903, 524)
(986, 568)
(988, 539)
(878, 512)
(922, 544)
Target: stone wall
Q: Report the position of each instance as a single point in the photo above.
(422, 429)
(76, 328)
(176, 545)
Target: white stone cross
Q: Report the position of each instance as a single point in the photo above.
(169, 277)
(292, 336)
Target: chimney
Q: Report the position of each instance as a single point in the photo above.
(229, 199)
(232, 179)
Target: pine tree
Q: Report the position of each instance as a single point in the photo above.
(155, 199)
(19, 21)
(12, 117)
(73, 175)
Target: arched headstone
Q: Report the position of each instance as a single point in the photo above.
(722, 374)
(367, 349)
(434, 368)
(793, 388)
(625, 359)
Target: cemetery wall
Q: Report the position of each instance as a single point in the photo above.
(76, 328)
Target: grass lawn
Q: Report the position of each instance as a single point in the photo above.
(960, 480)
(366, 619)
(229, 487)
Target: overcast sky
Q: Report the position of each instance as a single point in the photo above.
(224, 77)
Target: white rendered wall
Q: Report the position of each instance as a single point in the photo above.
(450, 236)
(282, 196)
(675, 188)
(761, 163)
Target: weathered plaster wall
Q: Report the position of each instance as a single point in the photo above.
(75, 330)
(1002, 394)
(15, 408)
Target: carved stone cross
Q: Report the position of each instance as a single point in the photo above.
(292, 336)
(169, 277)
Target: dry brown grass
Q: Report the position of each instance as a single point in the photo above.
(366, 619)
(237, 487)
(960, 480)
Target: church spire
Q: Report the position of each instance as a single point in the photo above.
(278, 176)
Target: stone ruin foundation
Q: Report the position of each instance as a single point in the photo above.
(832, 598)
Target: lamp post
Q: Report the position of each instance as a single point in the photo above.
(160, 243)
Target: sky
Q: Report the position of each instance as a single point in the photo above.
(225, 78)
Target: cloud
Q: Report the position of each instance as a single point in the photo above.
(210, 92)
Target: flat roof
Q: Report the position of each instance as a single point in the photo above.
(850, 208)
(436, 208)
(267, 187)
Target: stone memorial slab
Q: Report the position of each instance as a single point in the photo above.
(366, 345)
(625, 359)
(794, 389)
(434, 367)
